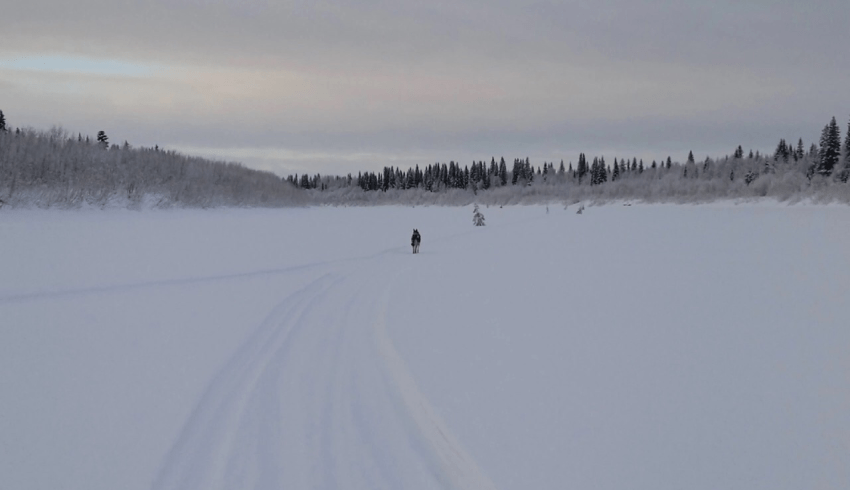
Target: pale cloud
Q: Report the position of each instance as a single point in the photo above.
(77, 65)
(284, 161)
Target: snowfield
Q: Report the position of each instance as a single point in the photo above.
(630, 347)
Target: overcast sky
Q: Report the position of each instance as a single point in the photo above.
(338, 87)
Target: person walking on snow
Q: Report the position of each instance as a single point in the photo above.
(415, 240)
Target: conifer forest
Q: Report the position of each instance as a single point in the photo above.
(56, 169)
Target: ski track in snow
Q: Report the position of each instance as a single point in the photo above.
(186, 281)
(318, 397)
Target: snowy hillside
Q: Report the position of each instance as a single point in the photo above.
(629, 347)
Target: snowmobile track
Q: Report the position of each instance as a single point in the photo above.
(318, 397)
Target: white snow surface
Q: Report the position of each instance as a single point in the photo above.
(630, 347)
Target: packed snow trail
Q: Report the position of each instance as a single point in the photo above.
(318, 397)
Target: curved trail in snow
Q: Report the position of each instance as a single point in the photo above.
(318, 397)
(119, 288)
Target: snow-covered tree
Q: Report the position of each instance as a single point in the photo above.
(598, 171)
(2, 121)
(53, 169)
(477, 217)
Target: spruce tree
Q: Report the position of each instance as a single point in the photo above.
(781, 151)
(830, 148)
(616, 173)
(598, 172)
(847, 147)
(102, 140)
(503, 172)
(690, 157)
(581, 170)
(594, 171)
(845, 172)
(603, 172)
(824, 144)
(2, 121)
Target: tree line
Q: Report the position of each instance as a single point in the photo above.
(791, 172)
(55, 169)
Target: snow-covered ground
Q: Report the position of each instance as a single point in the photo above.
(630, 347)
